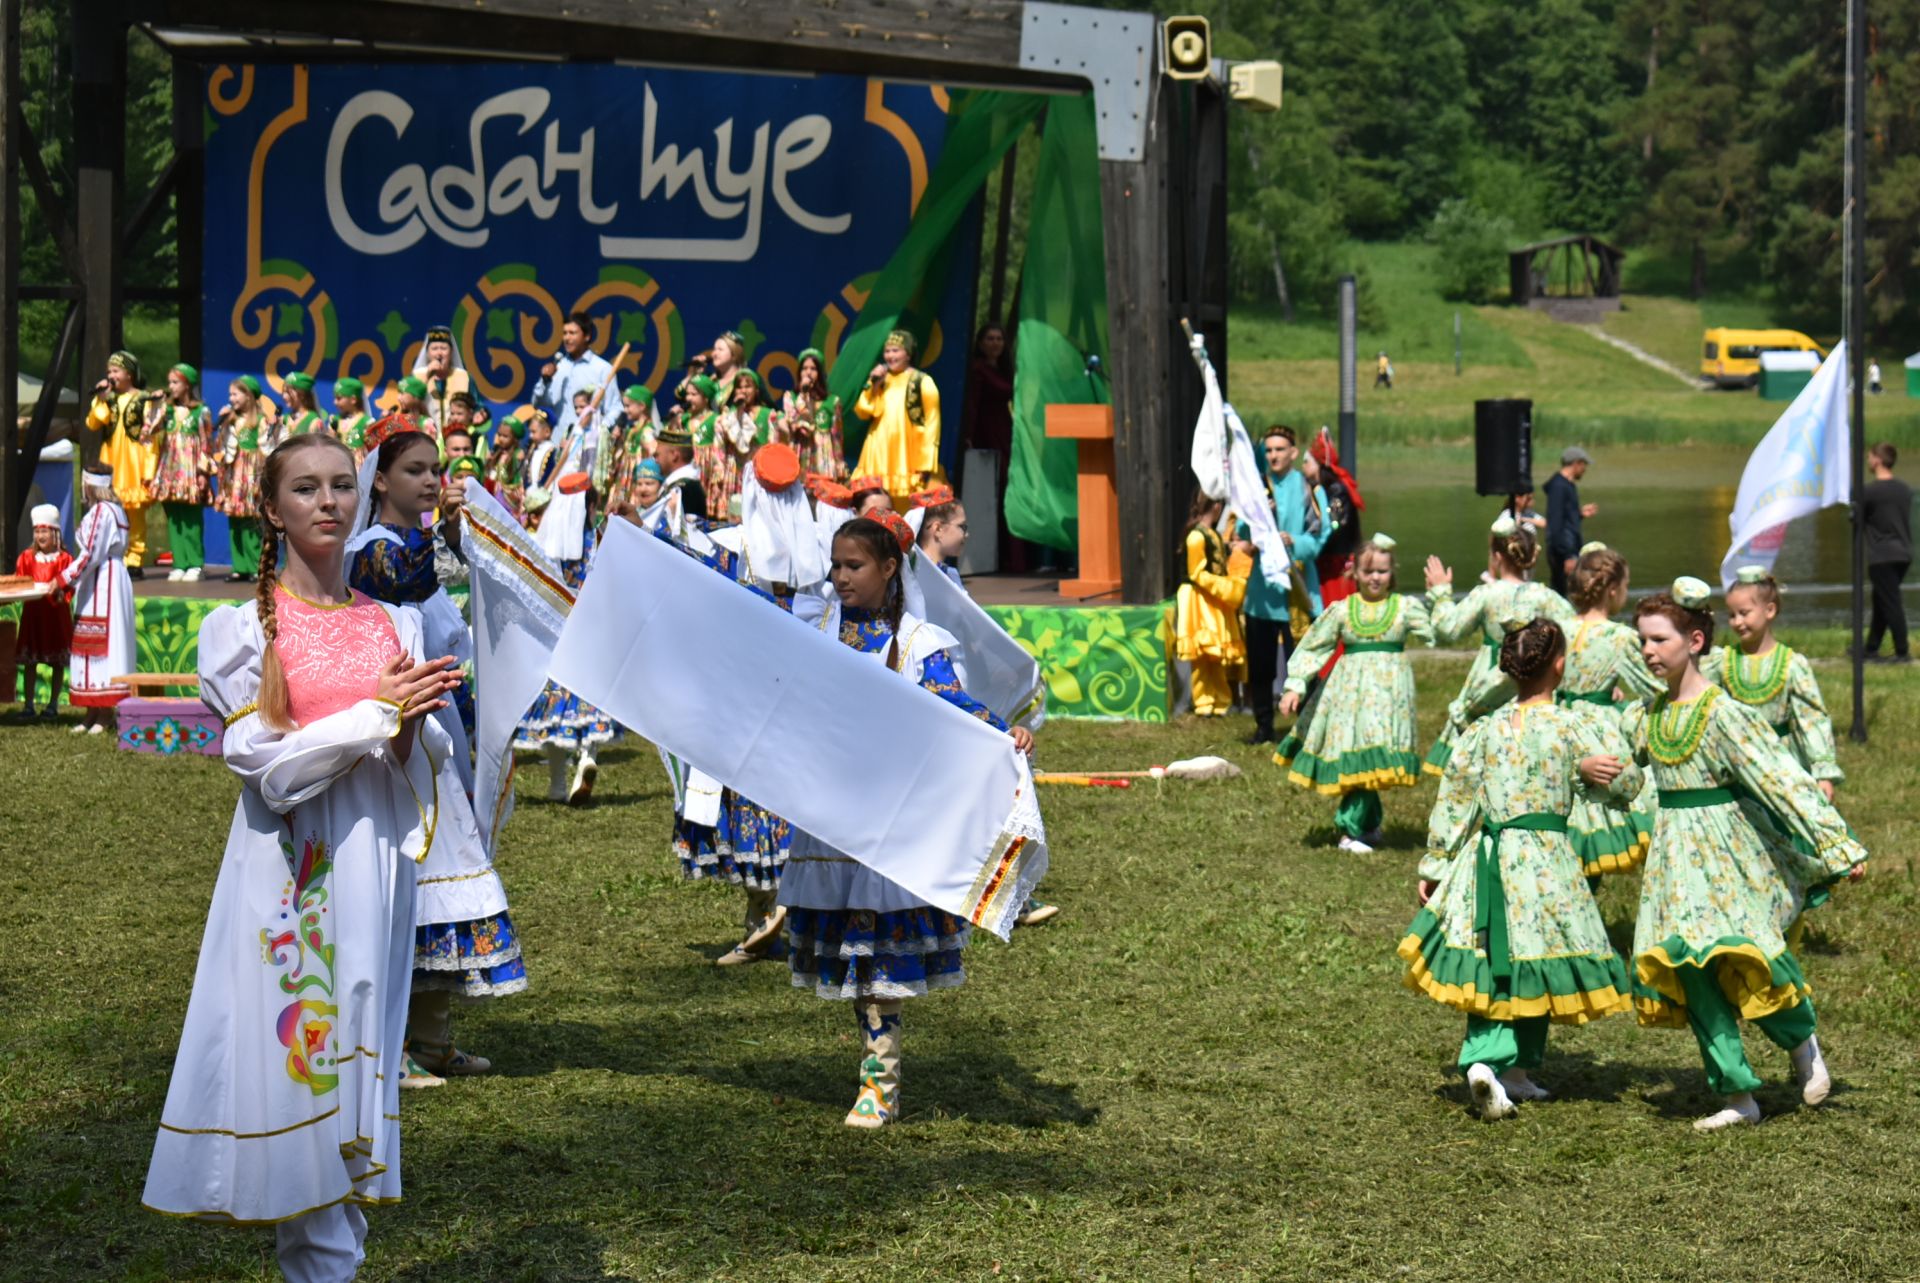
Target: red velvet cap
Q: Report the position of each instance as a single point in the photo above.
(896, 526)
(776, 466)
(934, 498)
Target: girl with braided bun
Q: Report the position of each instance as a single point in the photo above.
(1508, 933)
(1772, 678)
(1354, 733)
(1605, 675)
(283, 1104)
(852, 935)
(1723, 887)
(1507, 599)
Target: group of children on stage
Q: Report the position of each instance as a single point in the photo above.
(1577, 747)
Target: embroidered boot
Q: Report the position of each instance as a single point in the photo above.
(879, 1100)
(556, 772)
(584, 776)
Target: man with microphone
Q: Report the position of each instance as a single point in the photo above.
(575, 368)
(119, 412)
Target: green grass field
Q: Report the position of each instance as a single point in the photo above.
(1581, 387)
(1205, 1069)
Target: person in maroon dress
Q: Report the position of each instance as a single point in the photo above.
(988, 424)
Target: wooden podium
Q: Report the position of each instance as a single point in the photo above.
(1092, 427)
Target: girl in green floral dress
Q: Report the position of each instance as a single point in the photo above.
(1605, 674)
(1508, 599)
(1356, 735)
(1509, 934)
(1721, 887)
(1773, 679)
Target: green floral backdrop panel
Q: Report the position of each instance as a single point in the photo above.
(1097, 661)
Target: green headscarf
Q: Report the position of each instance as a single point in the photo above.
(187, 372)
(414, 386)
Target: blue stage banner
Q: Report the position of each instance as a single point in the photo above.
(351, 207)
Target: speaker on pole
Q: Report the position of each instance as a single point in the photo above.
(1502, 447)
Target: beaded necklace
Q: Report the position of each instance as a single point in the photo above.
(1766, 684)
(1674, 730)
(1369, 621)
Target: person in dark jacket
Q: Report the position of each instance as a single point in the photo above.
(1886, 509)
(1564, 514)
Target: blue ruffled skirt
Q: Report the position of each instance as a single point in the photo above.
(559, 717)
(477, 959)
(748, 847)
(864, 953)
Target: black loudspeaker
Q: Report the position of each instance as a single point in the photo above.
(1502, 447)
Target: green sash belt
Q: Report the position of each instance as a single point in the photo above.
(1567, 698)
(1491, 643)
(1375, 648)
(1693, 799)
(1490, 895)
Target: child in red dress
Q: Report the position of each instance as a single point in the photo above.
(46, 623)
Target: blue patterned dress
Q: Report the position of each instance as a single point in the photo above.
(558, 716)
(852, 934)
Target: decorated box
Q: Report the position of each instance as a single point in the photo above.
(168, 726)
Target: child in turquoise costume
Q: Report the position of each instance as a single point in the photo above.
(1722, 888)
(1507, 600)
(1356, 734)
(1605, 676)
(1509, 934)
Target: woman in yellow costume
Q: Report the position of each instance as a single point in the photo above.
(1206, 626)
(903, 407)
(118, 413)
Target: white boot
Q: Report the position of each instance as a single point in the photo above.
(879, 1100)
(1520, 1087)
(556, 772)
(1740, 1109)
(1489, 1097)
(765, 920)
(584, 774)
(1810, 1071)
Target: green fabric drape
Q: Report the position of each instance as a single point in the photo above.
(981, 125)
(1063, 320)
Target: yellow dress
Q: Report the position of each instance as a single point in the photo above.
(903, 443)
(1207, 630)
(133, 463)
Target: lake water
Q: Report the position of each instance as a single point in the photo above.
(1663, 507)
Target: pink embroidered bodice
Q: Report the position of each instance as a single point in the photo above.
(332, 655)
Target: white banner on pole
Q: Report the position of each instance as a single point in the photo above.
(1224, 464)
(1802, 465)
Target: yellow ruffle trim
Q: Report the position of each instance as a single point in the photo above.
(1747, 983)
(1393, 777)
(1623, 862)
(1561, 1008)
(1428, 768)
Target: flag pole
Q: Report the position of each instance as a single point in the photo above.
(1855, 326)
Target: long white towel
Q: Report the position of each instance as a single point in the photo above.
(943, 804)
(519, 604)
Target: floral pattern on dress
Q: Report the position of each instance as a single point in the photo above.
(1720, 882)
(1357, 731)
(1519, 761)
(1604, 675)
(1797, 712)
(1491, 609)
(185, 455)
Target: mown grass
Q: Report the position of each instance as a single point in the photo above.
(1204, 1069)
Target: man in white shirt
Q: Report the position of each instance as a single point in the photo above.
(575, 368)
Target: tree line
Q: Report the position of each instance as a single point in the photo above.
(1703, 133)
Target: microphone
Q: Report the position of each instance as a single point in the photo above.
(1093, 365)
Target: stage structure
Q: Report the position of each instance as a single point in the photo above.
(1162, 149)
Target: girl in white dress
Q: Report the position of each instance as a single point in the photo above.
(103, 625)
(283, 1108)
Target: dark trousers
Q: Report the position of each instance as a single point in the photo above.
(1268, 640)
(1889, 612)
(1557, 565)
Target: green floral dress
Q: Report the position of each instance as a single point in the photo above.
(1721, 885)
(1604, 675)
(1512, 931)
(1357, 730)
(1780, 686)
(1493, 609)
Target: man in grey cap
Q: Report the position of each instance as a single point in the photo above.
(1564, 512)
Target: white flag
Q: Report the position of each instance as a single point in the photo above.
(1802, 465)
(520, 603)
(1223, 461)
(938, 802)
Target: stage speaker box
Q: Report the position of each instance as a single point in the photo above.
(1502, 447)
